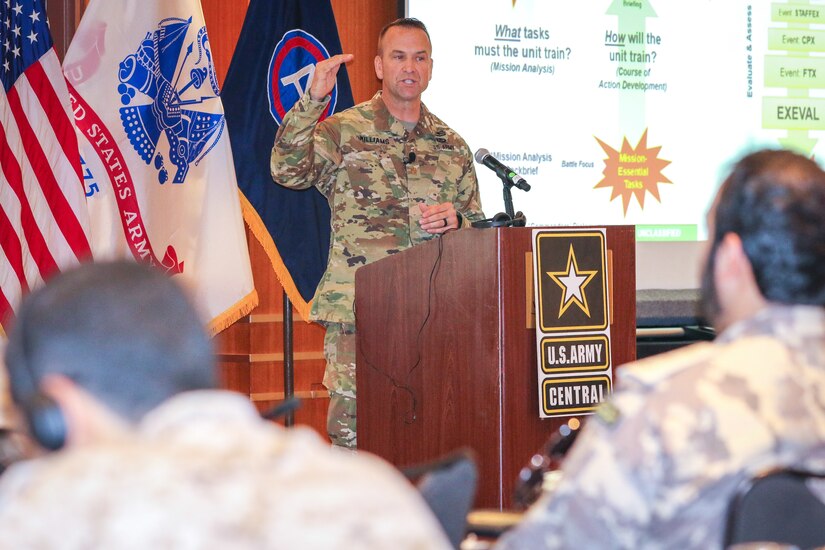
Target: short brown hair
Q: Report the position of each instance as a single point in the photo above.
(407, 23)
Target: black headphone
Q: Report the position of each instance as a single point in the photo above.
(46, 421)
(502, 219)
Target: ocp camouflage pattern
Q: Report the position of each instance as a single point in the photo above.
(362, 160)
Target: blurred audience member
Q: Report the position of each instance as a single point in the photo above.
(659, 462)
(110, 364)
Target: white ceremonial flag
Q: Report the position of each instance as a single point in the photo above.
(156, 157)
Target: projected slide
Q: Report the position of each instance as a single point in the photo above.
(625, 111)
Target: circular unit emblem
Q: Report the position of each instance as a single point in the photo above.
(291, 70)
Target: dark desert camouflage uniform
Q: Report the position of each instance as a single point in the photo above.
(356, 158)
(658, 465)
(203, 470)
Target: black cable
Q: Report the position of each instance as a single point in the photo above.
(412, 414)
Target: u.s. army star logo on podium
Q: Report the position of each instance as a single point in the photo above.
(572, 286)
(573, 281)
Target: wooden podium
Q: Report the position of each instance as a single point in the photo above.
(445, 357)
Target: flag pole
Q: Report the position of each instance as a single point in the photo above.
(289, 363)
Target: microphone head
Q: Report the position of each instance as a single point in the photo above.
(480, 154)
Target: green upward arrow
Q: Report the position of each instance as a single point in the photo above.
(632, 119)
(628, 12)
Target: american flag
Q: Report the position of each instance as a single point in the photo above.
(44, 224)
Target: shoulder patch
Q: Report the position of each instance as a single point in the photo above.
(608, 413)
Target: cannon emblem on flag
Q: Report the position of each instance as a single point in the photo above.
(156, 71)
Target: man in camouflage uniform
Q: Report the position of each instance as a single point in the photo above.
(659, 463)
(395, 175)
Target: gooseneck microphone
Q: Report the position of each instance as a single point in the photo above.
(507, 174)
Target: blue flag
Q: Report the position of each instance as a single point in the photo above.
(280, 43)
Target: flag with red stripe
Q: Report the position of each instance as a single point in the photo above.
(44, 225)
(156, 155)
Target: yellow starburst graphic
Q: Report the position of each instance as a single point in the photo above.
(633, 171)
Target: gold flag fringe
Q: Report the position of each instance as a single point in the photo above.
(259, 230)
(242, 307)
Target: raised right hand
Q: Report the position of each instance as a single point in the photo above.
(326, 72)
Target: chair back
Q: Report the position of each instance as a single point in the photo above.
(448, 486)
(778, 506)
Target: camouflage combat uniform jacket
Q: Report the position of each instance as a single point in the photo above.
(356, 158)
(659, 463)
(203, 470)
